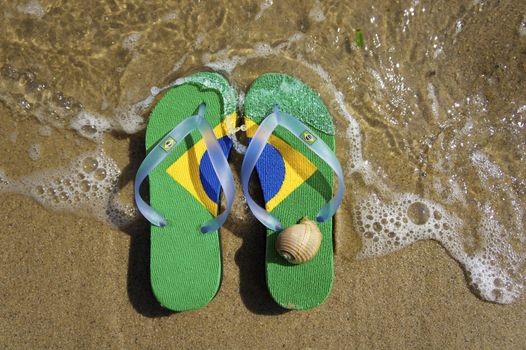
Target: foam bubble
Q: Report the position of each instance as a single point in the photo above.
(387, 226)
(131, 41)
(34, 151)
(433, 97)
(32, 8)
(129, 120)
(393, 220)
(88, 187)
(222, 60)
(459, 25)
(90, 125)
(231, 133)
(54, 109)
(21, 89)
(316, 13)
(225, 64)
(418, 213)
(265, 5)
(522, 27)
(4, 181)
(170, 16)
(263, 49)
(179, 63)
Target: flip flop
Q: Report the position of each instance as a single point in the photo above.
(294, 164)
(186, 165)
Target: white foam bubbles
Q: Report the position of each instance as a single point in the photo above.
(316, 13)
(4, 181)
(459, 26)
(263, 49)
(131, 41)
(431, 94)
(90, 125)
(126, 119)
(387, 226)
(179, 63)
(522, 27)
(34, 151)
(494, 269)
(32, 8)
(481, 237)
(170, 16)
(129, 120)
(264, 6)
(222, 61)
(54, 109)
(231, 133)
(88, 187)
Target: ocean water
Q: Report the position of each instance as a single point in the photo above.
(430, 113)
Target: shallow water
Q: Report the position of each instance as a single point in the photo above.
(430, 114)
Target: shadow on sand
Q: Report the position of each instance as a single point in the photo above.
(139, 288)
(250, 257)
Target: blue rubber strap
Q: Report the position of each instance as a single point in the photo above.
(254, 150)
(309, 138)
(168, 143)
(223, 173)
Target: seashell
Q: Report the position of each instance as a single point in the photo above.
(299, 243)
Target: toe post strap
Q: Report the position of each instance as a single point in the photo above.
(166, 145)
(311, 140)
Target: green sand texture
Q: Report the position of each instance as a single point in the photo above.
(185, 264)
(307, 285)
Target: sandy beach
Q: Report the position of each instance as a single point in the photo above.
(72, 283)
(433, 107)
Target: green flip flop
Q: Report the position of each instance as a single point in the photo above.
(187, 143)
(291, 146)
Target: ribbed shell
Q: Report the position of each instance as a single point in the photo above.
(299, 243)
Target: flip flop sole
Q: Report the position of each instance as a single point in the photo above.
(295, 184)
(185, 265)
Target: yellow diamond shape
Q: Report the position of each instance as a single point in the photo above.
(185, 170)
(297, 167)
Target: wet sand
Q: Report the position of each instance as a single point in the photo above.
(72, 281)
